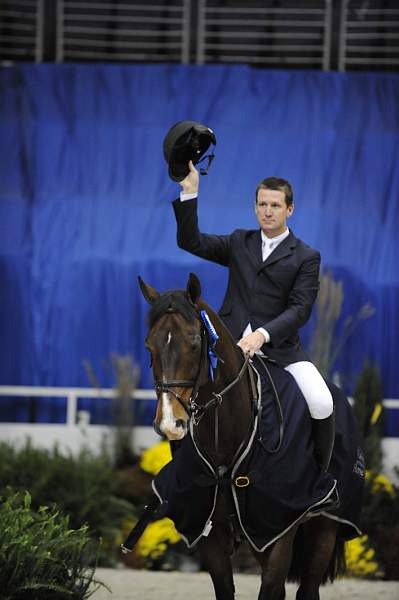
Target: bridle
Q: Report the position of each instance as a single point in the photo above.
(196, 411)
(167, 386)
(193, 410)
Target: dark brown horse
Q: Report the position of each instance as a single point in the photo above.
(219, 414)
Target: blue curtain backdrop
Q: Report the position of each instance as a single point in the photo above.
(85, 202)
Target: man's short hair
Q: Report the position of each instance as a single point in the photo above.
(276, 183)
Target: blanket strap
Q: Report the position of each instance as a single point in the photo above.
(142, 523)
(278, 406)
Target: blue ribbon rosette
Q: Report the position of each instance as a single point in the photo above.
(213, 336)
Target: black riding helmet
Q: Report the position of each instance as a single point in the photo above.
(185, 141)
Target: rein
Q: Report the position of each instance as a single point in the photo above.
(198, 410)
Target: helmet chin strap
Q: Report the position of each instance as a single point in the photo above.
(204, 170)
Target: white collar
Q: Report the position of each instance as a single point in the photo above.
(275, 240)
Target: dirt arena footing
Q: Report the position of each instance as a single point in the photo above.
(128, 584)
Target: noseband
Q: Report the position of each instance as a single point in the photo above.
(167, 386)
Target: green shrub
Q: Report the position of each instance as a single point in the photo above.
(84, 487)
(380, 521)
(40, 557)
(380, 512)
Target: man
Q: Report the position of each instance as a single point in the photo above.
(273, 283)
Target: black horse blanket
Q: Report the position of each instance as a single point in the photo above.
(283, 485)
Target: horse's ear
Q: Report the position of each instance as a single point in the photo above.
(149, 293)
(194, 288)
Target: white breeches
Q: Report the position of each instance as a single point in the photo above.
(313, 387)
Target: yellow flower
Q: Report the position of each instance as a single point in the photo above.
(380, 483)
(360, 560)
(160, 534)
(156, 538)
(376, 413)
(154, 458)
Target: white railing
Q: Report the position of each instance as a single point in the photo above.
(265, 35)
(71, 395)
(78, 433)
(369, 34)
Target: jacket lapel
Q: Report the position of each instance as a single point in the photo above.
(285, 248)
(254, 246)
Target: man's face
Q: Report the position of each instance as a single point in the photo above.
(272, 212)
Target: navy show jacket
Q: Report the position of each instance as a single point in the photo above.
(276, 294)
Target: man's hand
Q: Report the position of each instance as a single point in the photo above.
(191, 182)
(252, 343)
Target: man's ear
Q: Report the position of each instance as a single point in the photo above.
(193, 288)
(149, 293)
(291, 209)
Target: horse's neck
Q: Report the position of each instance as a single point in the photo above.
(235, 412)
(221, 436)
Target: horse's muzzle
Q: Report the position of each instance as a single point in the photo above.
(177, 431)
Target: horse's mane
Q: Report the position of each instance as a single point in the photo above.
(172, 301)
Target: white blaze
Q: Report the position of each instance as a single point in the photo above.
(169, 338)
(168, 421)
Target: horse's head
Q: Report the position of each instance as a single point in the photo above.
(175, 342)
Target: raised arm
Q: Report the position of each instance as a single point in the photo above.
(215, 248)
